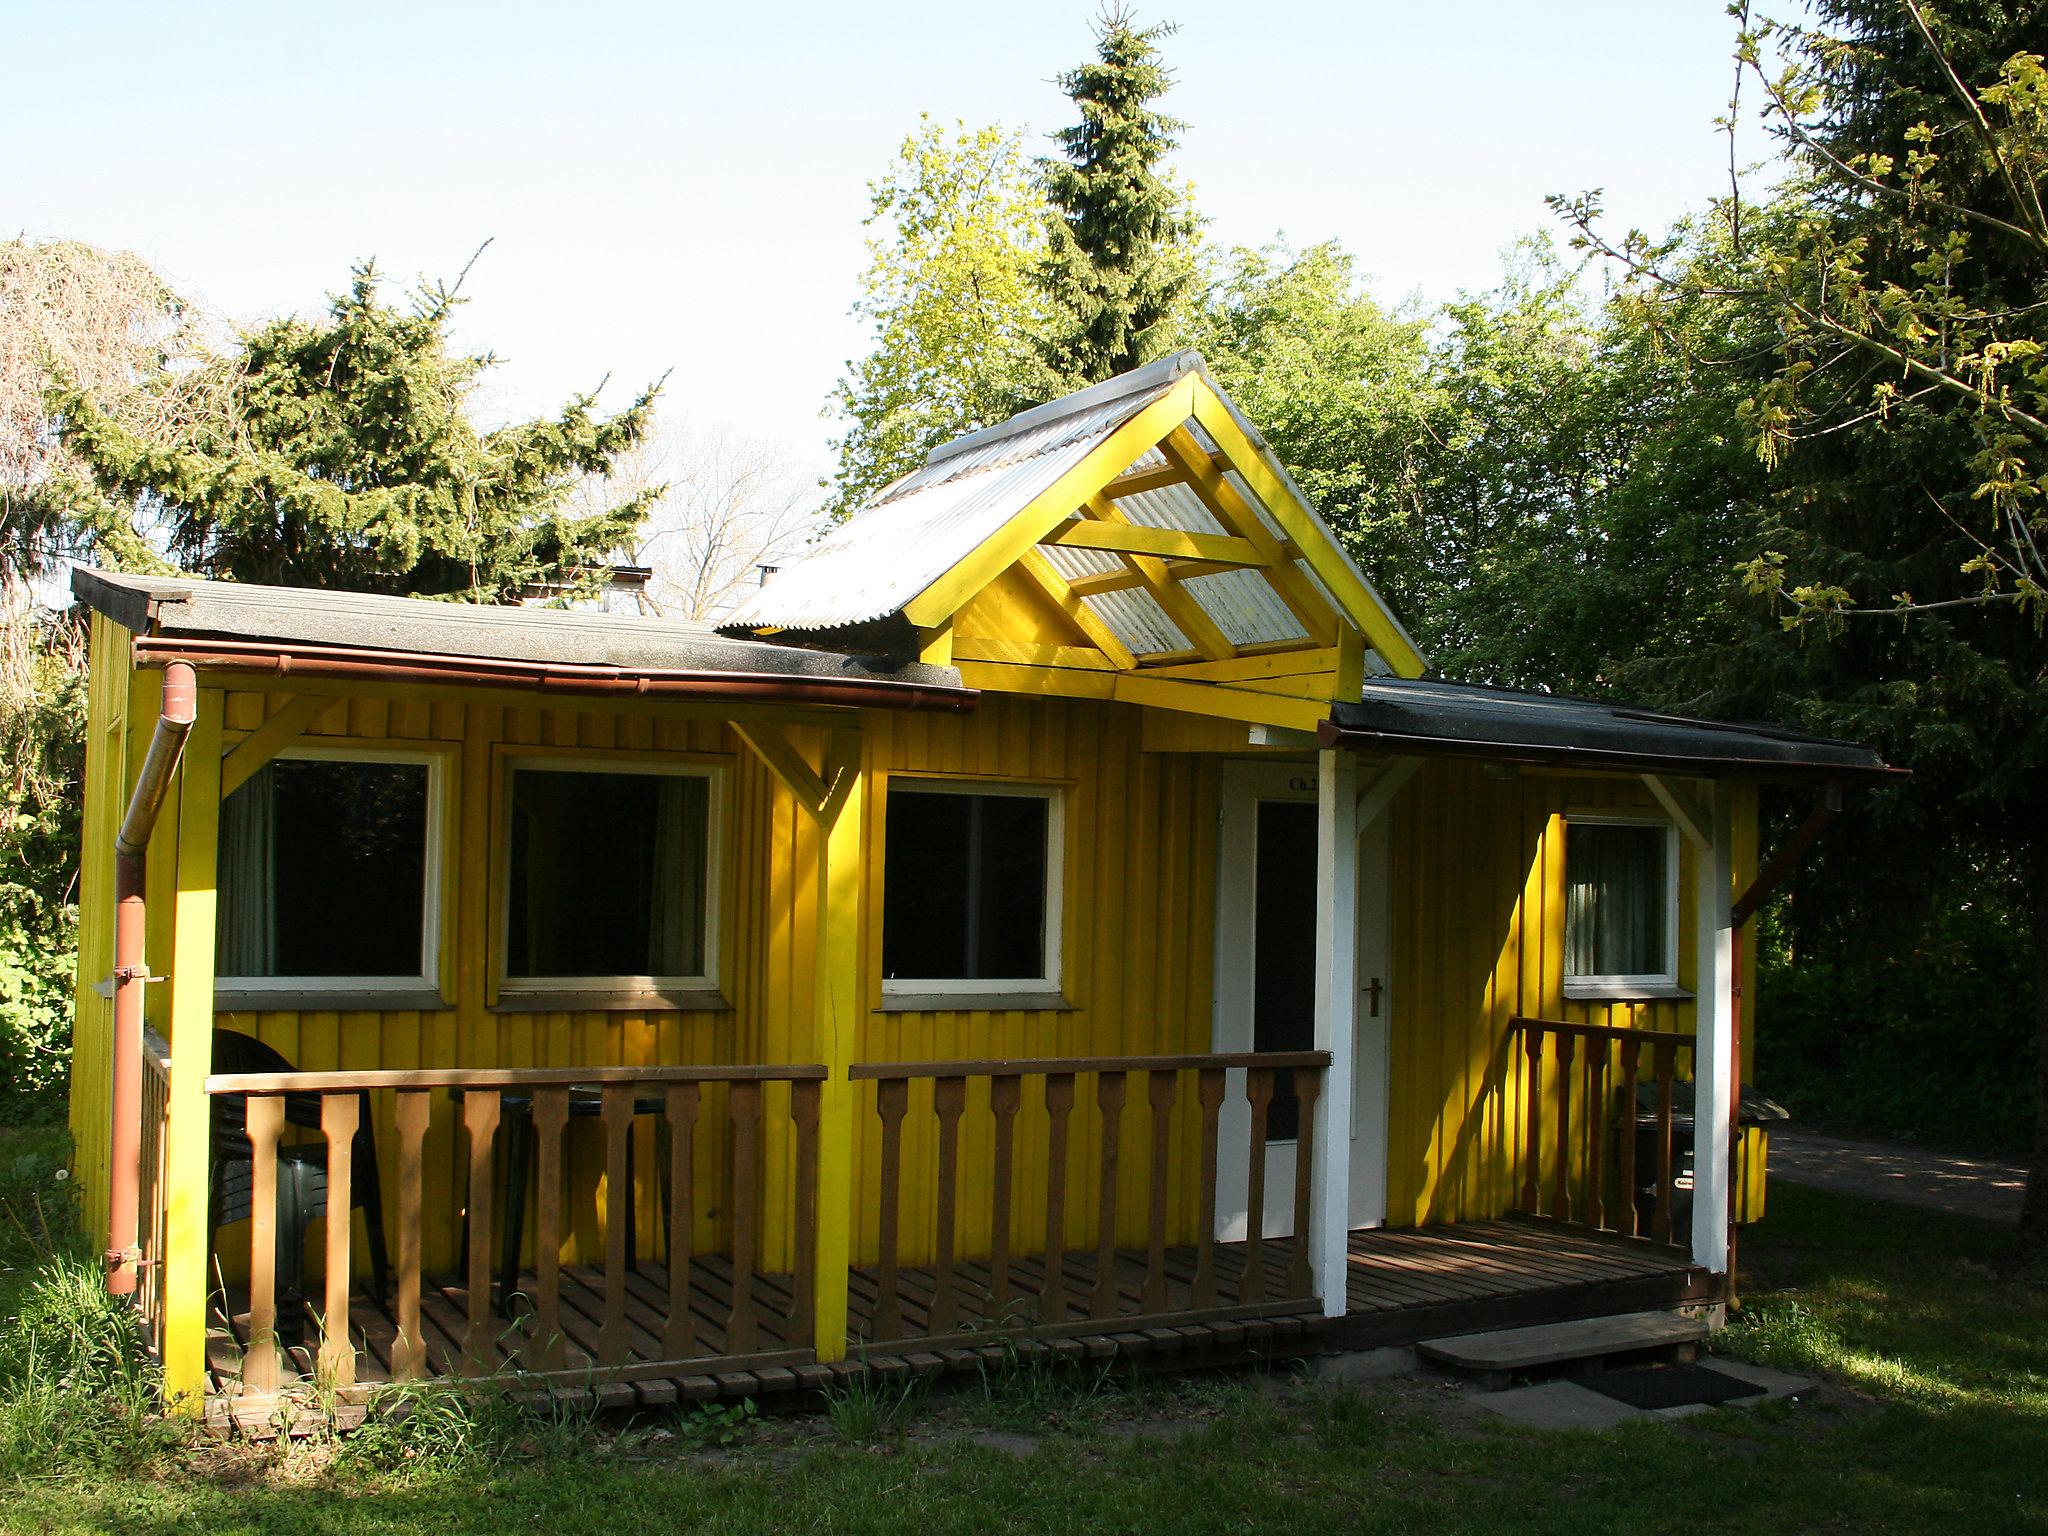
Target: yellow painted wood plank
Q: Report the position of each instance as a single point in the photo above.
(1118, 536)
(1292, 662)
(1317, 545)
(946, 596)
(1036, 568)
(271, 737)
(772, 745)
(1180, 606)
(838, 1005)
(1215, 699)
(1069, 682)
(1027, 654)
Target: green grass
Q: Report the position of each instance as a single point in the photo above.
(1934, 1417)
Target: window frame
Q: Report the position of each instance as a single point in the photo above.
(649, 992)
(1655, 983)
(929, 988)
(252, 991)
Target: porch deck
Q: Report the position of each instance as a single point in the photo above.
(1403, 1286)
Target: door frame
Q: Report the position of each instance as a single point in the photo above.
(1241, 784)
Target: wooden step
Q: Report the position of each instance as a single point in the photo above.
(1523, 1349)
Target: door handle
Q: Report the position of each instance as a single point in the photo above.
(1372, 990)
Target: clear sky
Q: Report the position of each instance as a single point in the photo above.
(682, 185)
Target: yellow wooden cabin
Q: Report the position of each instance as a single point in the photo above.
(1060, 913)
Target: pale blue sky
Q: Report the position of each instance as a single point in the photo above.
(683, 184)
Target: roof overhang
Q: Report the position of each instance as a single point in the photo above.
(1430, 718)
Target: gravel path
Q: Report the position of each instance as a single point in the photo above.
(1961, 1186)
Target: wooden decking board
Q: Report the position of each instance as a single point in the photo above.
(1401, 1287)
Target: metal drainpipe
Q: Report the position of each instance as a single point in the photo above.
(131, 851)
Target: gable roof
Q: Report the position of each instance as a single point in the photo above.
(1161, 449)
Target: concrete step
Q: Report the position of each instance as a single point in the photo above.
(1509, 1351)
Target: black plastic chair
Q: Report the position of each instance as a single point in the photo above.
(301, 1174)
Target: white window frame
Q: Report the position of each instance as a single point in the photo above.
(433, 874)
(1665, 981)
(511, 986)
(1055, 797)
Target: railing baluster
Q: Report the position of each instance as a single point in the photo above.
(892, 1099)
(1059, 1105)
(743, 1104)
(1005, 1094)
(1308, 1086)
(949, 1099)
(480, 1108)
(1251, 1281)
(1665, 1061)
(1110, 1089)
(612, 1337)
(1561, 1202)
(548, 1349)
(1532, 1149)
(264, 1117)
(803, 1114)
(340, 1114)
(1162, 1088)
(1596, 1134)
(410, 1111)
(1631, 1224)
(1209, 1087)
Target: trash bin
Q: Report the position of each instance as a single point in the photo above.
(1752, 1149)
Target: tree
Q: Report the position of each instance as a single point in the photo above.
(1119, 257)
(345, 458)
(955, 227)
(1903, 404)
(728, 502)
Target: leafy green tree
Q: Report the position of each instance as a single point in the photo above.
(1119, 259)
(1902, 402)
(956, 224)
(345, 458)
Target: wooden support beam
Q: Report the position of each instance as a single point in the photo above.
(773, 746)
(1714, 1066)
(1377, 794)
(1310, 608)
(1224, 702)
(248, 755)
(838, 1008)
(983, 648)
(1298, 659)
(1336, 1023)
(1037, 568)
(1125, 579)
(1695, 822)
(1125, 538)
(1180, 606)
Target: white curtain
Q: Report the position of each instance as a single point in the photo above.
(246, 942)
(1614, 900)
(675, 908)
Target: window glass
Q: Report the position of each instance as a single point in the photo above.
(1617, 900)
(323, 871)
(964, 886)
(608, 874)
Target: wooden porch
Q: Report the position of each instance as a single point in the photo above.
(1403, 1286)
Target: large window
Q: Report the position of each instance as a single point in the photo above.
(970, 888)
(1621, 904)
(609, 877)
(328, 871)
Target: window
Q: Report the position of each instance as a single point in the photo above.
(970, 889)
(609, 877)
(328, 873)
(1621, 903)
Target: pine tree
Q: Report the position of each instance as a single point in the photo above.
(345, 458)
(1117, 264)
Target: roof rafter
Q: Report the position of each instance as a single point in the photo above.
(1188, 615)
(1126, 538)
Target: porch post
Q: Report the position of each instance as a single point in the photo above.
(1336, 1016)
(1714, 1056)
(192, 851)
(840, 877)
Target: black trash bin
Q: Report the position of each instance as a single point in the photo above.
(1758, 1114)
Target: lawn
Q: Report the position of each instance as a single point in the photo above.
(1933, 1416)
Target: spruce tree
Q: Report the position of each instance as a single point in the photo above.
(346, 458)
(1116, 266)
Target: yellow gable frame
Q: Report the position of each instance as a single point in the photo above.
(1011, 621)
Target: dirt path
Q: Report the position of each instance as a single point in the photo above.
(1961, 1186)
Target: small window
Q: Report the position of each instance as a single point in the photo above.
(970, 884)
(1621, 899)
(327, 874)
(609, 877)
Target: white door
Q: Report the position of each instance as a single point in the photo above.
(1265, 986)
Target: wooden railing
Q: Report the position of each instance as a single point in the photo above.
(1063, 1289)
(156, 1104)
(1585, 1108)
(703, 1313)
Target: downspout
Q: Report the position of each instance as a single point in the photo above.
(131, 853)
